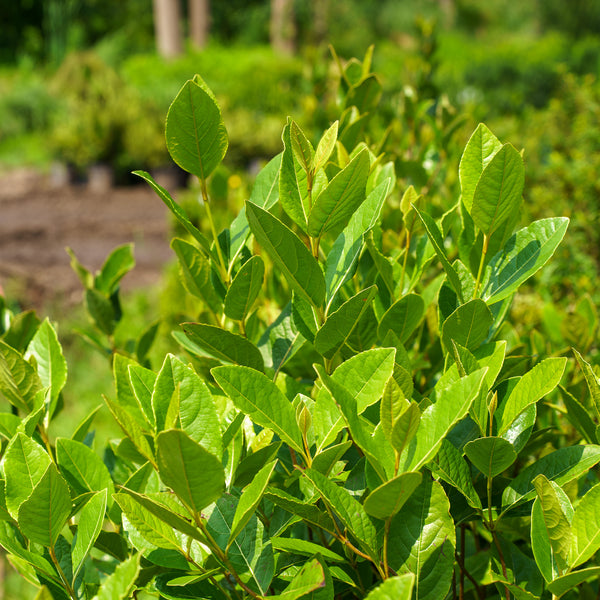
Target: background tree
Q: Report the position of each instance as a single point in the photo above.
(167, 26)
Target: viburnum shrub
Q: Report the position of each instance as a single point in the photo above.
(347, 420)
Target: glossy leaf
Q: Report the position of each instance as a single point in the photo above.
(293, 187)
(304, 548)
(585, 528)
(301, 147)
(325, 147)
(560, 586)
(349, 510)
(386, 500)
(118, 263)
(195, 132)
(422, 540)
(43, 515)
(498, 192)
(193, 473)
(287, 251)
(468, 325)
(491, 455)
(91, 519)
(224, 345)
(310, 578)
(51, 363)
(117, 586)
(479, 151)
(399, 587)
(341, 198)
(18, 380)
(402, 317)
(282, 338)
(533, 386)
(525, 253)
(591, 380)
(405, 427)
(339, 325)
(244, 289)
(258, 397)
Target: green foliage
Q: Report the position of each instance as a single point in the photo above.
(354, 417)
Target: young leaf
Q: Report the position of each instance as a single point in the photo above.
(195, 132)
(18, 380)
(525, 253)
(250, 499)
(349, 510)
(591, 380)
(287, 251)
(51, 363)
(399, 587)
(301, 147)
(533, 386)
(43, 515)
(119, 262)
(293, 186)
(479, 151)
(402, 317)
(142, 383)
(224, 345)
(244, 289)
(258, 397)
(341, 198)
(491, 455)
(339, 325)
(468, 325)
(194, 474)
(386, 500)
(325, 147)
(91, 519)
(118, 585)
(405, 427)
(585, 528)
(310, 578)
(562, 466)
(422, 539)
(24, 463)
(498, 193)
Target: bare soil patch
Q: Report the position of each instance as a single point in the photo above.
(39, 220)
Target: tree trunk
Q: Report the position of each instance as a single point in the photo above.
(282, 26)
(199, 22)
(167, 27)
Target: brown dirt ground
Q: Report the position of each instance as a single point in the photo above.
(38, 220)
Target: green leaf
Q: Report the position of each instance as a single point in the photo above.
(435, 237)
(453, 469)
(386, 500)
(250, 499)
(196, 270)
(591, 380)
(491, 455)
(393, 404)
(306, 511)
(118, 585)
(533, 386)
(562, 466)
(422, 539)
(346, 249)
(86, 278)
(585, 528)
(301, 147)
(339, 325)
(244, 289)
(148, 525)
(293, 187)
(479, 151)
(402, 317)
(142, 383)
(119, 262)
(525, 253)
(310, 577)
(399, 587)
(82, 467)
(18, 380)
(341, 198)
(43, 515)
(560, 586)
(325, 147)
(24, 463)
(468, 325)
(349, 510)
(551, 532)
(91, 519)
(51, 363)
(101, 310)
(405, 427)
(304, 548)
(251, 552)
(195, 132)
(224, 345)
(287, 251)
(498, 193)
(579, 417)
(179, 214)
(258, 397)
(193, 473)
(282, 339)
(452, 405)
